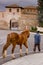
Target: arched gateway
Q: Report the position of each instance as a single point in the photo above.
(14, 24)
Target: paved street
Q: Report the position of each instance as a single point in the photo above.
(3, 35)
(33, 59)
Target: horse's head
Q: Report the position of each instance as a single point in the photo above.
(27, 33)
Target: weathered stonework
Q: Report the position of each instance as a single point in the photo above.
(26, 16)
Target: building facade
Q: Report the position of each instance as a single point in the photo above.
(19, 17)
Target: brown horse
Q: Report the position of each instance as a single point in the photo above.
(16, 39)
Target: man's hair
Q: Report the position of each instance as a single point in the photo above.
(38, 31)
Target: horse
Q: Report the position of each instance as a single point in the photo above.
(16, 39)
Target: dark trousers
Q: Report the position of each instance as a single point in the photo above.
(36, 45)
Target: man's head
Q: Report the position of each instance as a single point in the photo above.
(38, 31)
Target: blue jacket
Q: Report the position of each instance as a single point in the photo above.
(37, 38)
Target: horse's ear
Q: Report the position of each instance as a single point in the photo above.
(26, 27)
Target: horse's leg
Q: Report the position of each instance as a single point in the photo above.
(12, 55)
(20, 49)
(26, 45)
(4, 52)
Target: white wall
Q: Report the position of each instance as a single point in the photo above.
(40, 29)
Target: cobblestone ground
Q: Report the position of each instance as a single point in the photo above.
(34, 59)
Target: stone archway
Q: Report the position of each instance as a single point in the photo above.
(13, 23)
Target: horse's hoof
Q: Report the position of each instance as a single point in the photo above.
(4, 56)
(26, 53)
(20, 55)
(13, 57)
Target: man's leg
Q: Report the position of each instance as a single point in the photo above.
(34, 48)
(39, 47)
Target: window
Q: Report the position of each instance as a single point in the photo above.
(9, 10)
(2, 14)
(17, 10)
(27, 10)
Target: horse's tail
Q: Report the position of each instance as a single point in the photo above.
(8, 37)
(6, 45)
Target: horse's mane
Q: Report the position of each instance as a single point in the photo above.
(25, 31)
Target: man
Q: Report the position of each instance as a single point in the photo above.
(37, 41)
